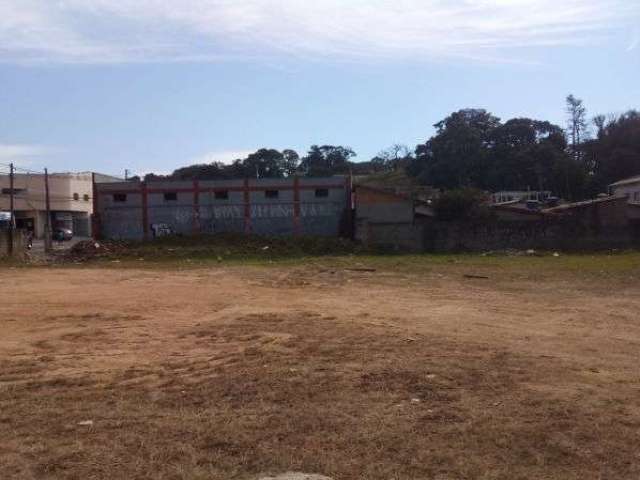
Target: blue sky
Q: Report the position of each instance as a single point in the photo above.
(151, 85)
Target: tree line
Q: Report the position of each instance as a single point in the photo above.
(324, 160)
(472, 148)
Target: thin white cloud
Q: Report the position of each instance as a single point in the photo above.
(23, 155)
(114, 31)
(224, 156)
(635, 42)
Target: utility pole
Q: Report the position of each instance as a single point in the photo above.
(12, 221)
(126, 174)
(47, 223)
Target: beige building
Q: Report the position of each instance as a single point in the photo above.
(71, 199)
(629, 187)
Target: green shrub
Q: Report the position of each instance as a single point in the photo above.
(462, 204)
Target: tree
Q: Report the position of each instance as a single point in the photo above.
(393, 158)
(615, 153)
(457, 155)
(462, 204)
(326, 160)
(291, 162)
(211, 171)
(473, 149)
(600, 121)
(264, 163)
(577, 125)
(524, 155)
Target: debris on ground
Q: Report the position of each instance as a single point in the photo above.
(216, 247)
(296, 476)
(89, 249)
(476, 277)
(86, 423)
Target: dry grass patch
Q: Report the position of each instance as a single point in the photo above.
(302, 392)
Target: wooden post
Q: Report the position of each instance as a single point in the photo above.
(145, 210)
(12, 220)
(351, 208)
(47, 220)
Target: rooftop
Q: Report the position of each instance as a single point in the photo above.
(626, 181)
(585, 203)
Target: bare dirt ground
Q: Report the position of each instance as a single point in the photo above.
(238, 372)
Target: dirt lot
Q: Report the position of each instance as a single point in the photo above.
(409, 372)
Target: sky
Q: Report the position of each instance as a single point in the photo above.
(152, 85)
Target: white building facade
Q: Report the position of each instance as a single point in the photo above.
(71, 201)
(629, 187)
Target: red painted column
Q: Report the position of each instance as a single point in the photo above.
(247, 207)
(196, 207)
(297, 226)
(145, 210)
(95, 219)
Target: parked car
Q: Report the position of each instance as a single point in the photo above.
(5, 220)
(62, 234)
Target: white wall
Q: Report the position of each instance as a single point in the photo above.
(63, 188)
(631, 191)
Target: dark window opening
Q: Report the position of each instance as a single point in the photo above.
(271, 193)
(119, 197)
(222, 195)
(86, 197)
(76, 196)
(16, 191)
(322, 192)
(170, 197)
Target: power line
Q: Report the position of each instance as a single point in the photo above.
(22, 169)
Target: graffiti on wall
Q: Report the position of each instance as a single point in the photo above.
(125, 222)
(269, 211)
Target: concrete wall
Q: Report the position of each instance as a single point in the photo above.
(386, 220)
(556, 235)
(19, 244)
(396, 237)
(597, 224)
(300, 206)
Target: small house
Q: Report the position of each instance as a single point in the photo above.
(629, 188)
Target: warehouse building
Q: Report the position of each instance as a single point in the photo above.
(289, 206)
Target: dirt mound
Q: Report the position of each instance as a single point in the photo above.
(89, 249)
